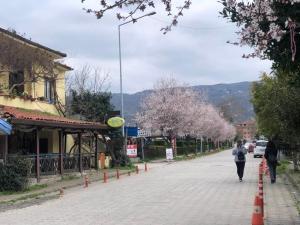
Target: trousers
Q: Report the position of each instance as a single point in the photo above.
(240, 168)
(272, 168)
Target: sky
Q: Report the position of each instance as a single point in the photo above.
(195, 52)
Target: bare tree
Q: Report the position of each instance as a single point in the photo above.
(17, 56)
(35, 64)
(89, 78)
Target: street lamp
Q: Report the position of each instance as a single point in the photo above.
(120, 61)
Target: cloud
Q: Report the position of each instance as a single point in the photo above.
(195, 52)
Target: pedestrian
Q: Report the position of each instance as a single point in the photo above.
(239, 152)
(271, 157)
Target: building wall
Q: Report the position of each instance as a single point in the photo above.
(36, 90)
(246, 130)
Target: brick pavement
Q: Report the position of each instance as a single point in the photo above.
(279, 203)
(204, 191)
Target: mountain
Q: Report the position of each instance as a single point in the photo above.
(232, 99)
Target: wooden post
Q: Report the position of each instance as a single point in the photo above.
(142, 144)
(37, 155)
(61, 151)
(5, 153)
(96, 152)
(79, 153)
(65, 142)
(201, 145)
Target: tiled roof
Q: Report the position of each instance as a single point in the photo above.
(14, 35)
(31, 115)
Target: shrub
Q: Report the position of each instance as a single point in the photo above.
(14, 176)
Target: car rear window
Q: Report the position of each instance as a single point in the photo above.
(262, 144)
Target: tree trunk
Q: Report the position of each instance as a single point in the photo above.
(295, 159)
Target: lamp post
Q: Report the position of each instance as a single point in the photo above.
(120, 61)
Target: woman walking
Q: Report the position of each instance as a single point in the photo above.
(239, 152)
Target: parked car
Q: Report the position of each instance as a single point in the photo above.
(260, 148)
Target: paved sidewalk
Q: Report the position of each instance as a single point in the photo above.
(204, 191)
(280, 206)
(54, 185)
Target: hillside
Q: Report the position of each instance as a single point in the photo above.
(233, 98)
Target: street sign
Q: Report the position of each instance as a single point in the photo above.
(169, 154)
(132, 151)
(131, 131)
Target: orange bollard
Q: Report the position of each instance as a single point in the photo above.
(118, 174)
(137, 169)
(260, 178)
(61, 192)
(86, 181)
(257, 218)
(104, 177)
(260, 202)
(146, 168)
(261, 197)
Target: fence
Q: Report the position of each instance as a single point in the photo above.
(50, 163)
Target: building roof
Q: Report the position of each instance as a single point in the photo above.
(16, 36)
(31, 117)
(64, 66)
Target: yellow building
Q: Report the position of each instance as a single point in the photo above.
(32, 101)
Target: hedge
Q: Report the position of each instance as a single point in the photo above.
(14, 176)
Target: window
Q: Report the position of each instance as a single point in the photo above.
(49, 90)
(16, 79)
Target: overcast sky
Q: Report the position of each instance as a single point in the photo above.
(195, 52)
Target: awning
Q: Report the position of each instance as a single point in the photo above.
(18, 116)
(5, 127)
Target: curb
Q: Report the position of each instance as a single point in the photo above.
(31, 198)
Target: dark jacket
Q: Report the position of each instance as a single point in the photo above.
(271, 152)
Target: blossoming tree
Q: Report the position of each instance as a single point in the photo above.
(176, 110)
(132, 9)
(271, 27)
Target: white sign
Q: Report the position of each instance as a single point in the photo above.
(169, 154)
(132, 151)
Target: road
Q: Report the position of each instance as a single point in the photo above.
(204, 191)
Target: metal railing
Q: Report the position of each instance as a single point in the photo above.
(50, 163)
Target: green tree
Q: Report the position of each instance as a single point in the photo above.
(277, 105)
(91, 106)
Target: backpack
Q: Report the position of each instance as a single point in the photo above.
(240, 156)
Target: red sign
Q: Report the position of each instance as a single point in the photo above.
(132, 151)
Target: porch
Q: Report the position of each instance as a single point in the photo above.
(55, 145)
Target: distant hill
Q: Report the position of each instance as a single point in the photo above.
(233, 98)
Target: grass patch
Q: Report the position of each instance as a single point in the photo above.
(69, 177)
(129, 167)
(29, 189)
(23, 198)
(283, 167)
